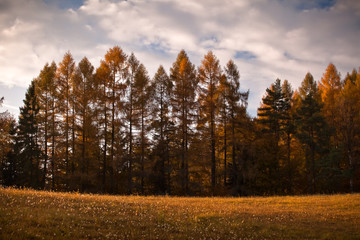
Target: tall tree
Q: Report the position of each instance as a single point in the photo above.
(349, 125)
(223, 122)
(236, 102)
(142, 86)
(161, 123)
(330, 89)
(183, 103)
(65, 73)
(84, 90)
(130, 114)
(311, 127)
(7, 148)
(101, 78)
(209, 76)
(289, 131)
(270, 117)
(46, 88)
(116, 68)
(28, 137)
(5, 126)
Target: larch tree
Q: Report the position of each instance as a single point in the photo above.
(84, 91)
(330, 87)
(116, 68)
(130, 115)
(349, 124)
(209, 76)
(223, 122)
(116, 131)
(64, 77)
(236, 102)
(8, 151)
(101, 78)
(183, 104)
(142, 91)
(46, 91)
(162, 88)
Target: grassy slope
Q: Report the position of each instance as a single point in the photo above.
(27, 214)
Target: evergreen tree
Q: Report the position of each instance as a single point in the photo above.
(27, 139)
(311, 129)
(289, 131)
(271, 116)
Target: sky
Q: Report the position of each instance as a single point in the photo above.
(267, 39)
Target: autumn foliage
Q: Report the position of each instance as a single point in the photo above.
(116, 130)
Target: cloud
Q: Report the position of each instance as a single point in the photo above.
(266, 39)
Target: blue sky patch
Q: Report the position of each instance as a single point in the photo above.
(246, 55)
(314, 4)
(66, 4)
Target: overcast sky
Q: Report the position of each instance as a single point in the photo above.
(267, 39)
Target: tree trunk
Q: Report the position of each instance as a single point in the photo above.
(46, 143)
(225, 152)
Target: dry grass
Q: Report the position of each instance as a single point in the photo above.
(28, 214)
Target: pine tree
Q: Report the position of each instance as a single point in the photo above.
(270, 117)
(311, 127)
(289, 131)
(27, 139)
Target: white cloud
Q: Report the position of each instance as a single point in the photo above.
(270, 39)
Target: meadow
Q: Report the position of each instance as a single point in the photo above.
(29, 214)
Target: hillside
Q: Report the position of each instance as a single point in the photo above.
(28, 214)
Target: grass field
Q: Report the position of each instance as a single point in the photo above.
(28, 214)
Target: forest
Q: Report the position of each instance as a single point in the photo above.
(116, 130)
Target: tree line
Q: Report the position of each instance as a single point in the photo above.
(115, 130)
